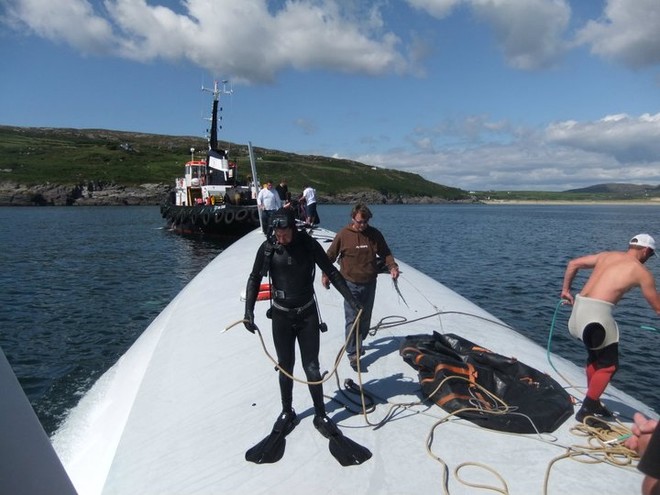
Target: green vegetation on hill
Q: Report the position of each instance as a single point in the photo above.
(33, 156)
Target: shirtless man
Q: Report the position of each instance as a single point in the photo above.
(614, 274)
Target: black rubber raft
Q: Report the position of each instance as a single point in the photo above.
(454, 371)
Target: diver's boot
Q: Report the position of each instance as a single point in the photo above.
(286, 422)
(326, 426)
(593, 407)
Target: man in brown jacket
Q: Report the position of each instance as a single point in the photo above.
(358, 247)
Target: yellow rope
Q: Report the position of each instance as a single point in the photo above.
(503, 408)
(504, 490)
(604, 445)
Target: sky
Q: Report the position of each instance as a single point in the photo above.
(481, 95)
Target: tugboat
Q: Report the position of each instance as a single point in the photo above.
(208, 199)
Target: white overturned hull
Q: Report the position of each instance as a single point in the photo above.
(178, 411)
(28, 463)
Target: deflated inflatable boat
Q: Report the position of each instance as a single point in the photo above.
(486, 388)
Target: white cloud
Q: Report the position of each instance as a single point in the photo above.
(566, 155)
(529, 32)
(253, 40)
(628, 33)
(436, 8)
(628, 139)
(239, 39)
(72, 22)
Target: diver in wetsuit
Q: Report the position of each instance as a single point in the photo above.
(291, 257)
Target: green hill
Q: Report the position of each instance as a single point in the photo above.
(602, 192)
(620, 190)
(31, 156)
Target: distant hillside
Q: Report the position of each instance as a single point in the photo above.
(622, 189)
(33, 156)
(600, 192)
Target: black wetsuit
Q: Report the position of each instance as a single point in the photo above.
(294, 312)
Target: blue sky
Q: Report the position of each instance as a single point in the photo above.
(476, 94)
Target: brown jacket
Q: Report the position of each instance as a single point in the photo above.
(357, 253)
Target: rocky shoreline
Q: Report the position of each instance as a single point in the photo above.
(109, 194)
(87, 194)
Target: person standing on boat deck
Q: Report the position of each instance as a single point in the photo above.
(309, 197)
(291, 259)
(358, 246)
(614, 274)
(268, 202)
(645, 440)
(283, 191)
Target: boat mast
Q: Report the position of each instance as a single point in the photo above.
(213, 135)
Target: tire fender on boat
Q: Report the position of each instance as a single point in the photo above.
(241, 215)
(206, 217)
(229, 216)
(218, 216)
(255, 216)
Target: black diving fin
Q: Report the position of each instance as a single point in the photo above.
(346, 451)
(271, 448)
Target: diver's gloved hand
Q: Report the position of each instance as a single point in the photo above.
(249, 321)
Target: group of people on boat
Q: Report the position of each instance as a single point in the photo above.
(289, 256)
(269, 201)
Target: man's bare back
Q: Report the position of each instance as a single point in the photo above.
(614, 274)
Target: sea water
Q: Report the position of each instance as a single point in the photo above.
(79, 284)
